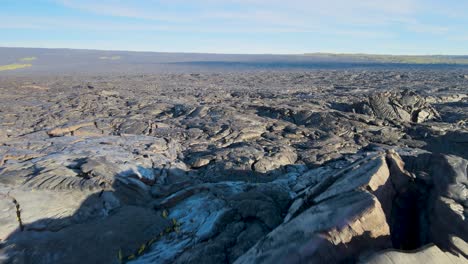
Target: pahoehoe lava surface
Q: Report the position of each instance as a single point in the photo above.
(324, 166)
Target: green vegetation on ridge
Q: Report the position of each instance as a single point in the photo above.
(28, 59)
(110, 58)
(404, 59)
(13, 66)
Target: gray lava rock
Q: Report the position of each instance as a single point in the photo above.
(246, 167)
(406, 106)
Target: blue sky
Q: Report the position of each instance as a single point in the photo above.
(239, 26)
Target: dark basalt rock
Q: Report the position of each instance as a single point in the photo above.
(245, 167)
(406, 106)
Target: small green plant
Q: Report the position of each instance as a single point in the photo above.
(28, 59)
(164, 214)
(13, 66)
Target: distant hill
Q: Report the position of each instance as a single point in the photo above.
(404, 59)
(27, 61)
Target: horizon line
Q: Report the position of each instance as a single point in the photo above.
(221, 53)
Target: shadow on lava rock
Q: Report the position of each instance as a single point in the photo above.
(424, 212)
(452, 142)
(123, 220)
(455, 143)
(113, 220)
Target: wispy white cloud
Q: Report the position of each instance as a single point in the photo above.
(119, 9)
(67, 23)
(234, 24)
(427, 28)
(169, 10)
(263, 15)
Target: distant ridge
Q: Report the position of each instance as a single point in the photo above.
(404, 59)
(42, 61)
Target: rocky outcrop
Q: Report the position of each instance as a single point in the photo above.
(343, 213)
(406, 106)
(370, 205)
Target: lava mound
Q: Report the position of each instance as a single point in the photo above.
(405, 106)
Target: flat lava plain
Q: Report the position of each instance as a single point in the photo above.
(247, 162)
